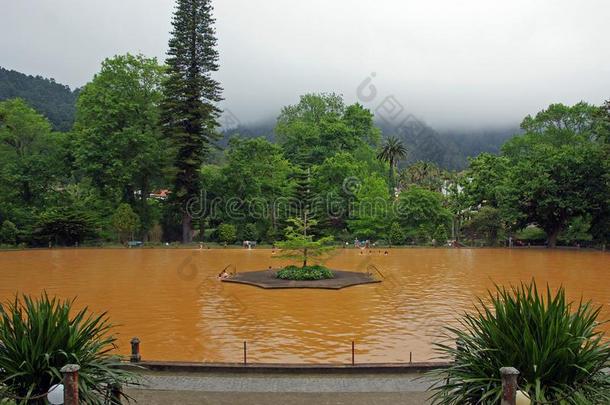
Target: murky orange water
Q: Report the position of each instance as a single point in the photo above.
(173, 301)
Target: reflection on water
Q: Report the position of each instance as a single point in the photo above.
(173, 301)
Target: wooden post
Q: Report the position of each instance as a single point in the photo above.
(509, 385)
(70, 372)
(410, 357)
(135, 351)
(245, 353)
(353, 353)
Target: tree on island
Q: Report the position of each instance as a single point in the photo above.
(190, 115)
(299, 243)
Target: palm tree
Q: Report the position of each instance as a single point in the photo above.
(392, 151)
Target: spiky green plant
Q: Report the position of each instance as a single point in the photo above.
(38, 336)
(555, 344)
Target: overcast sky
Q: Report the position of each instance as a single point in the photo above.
(452, 63)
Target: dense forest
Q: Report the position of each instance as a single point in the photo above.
(105, 180)
(144, 160)
(53, 100)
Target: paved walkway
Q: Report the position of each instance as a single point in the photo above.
(271, 389)
(154, 397)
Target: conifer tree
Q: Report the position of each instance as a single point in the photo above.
(190, 115)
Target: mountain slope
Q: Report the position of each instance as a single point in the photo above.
(54, 100)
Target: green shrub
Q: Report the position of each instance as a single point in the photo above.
(8, 233)
(553, 343)
(250, 232)
(38, 337)
(227, 233)
(396, 236)
(315, 272)
(531, 233)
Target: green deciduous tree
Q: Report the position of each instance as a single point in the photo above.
(372, 212)
(256, 178)
(190, 113)
(320, 125)
(486, 175)
(117, 136)
(420, 212)
(30, 155)
(558, 169)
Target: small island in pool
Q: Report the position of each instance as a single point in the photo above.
(270, 279)
(299, 244)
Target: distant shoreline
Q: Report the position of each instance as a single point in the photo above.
(214, 246)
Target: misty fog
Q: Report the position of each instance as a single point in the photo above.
(455, 65)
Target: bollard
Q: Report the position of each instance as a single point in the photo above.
(353, 354)
(245, 353)
(70, 372)
(135, 350)
(509, 385)
(116, 393)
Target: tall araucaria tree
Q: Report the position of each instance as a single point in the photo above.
(190, 115)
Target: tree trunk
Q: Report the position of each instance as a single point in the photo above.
(187, 228)
(305, 257)
(552, 235)
(144, 214)
(391, 178)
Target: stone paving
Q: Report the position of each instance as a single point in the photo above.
(270, 389)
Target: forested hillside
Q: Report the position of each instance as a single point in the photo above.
(54, 100)
(449, 149)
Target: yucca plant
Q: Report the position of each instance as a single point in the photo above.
(556, 345)
(38, 336)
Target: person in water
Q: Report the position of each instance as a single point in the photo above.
(224, 274)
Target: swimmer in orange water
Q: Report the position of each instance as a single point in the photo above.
(224, 274)
(386, 253)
